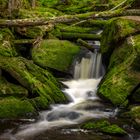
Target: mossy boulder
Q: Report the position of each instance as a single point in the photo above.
(15, 108)
(105, 127)
(121, 54)
(10, 89)
(55, 54)
(123, 73)
(116, 30)
(40, 83)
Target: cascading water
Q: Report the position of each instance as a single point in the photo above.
(89, 67)
(84, 105)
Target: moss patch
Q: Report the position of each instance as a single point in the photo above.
(14, 108)
(105, 127)
(115, 31)
(55, 54)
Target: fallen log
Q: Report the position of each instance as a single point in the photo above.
(75, 36)
(24, 41)
(85, 44)
(67, 18)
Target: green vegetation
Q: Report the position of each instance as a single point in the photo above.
(9, 89)
(105, 127)
(55, 54)
(123, 60)
(15, 108)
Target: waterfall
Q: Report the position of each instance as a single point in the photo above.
(84, 103)
(89, 67)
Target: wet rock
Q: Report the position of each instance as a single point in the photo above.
(71, 115)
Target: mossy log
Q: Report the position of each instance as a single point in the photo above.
(66, 18)
(72, 36)
(24, 41)
(85, 44)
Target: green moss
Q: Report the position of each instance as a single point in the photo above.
(122, 76)
(15, 108)
(34, 32)
(75, 29)
(117, 29)
(51, 53)
(34, 13)
(38, 81)
(135, 116)
(105, 127)
(6, 46)
(9, 89)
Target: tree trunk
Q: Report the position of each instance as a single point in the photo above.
(75, 36)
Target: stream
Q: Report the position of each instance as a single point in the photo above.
(62, 120)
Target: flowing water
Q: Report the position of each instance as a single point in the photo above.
(84, 105)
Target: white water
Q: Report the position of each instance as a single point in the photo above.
(84, 105)
(89, 67)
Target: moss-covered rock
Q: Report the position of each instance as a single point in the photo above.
(6, 46)
(9, 89)
(115, 31)
(123, 73)
(39, 82)
(15, 108)
(105, 127)
(55, 54)
(121, 54)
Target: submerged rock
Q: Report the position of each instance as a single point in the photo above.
(123, 71)
(55, 54)
(71, 115)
